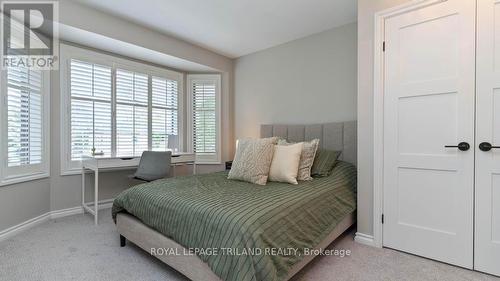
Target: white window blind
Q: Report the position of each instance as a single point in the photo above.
(165, 114)
(24, 126)
(131, 113)
(24, 117)
(90, 87)
(205, 116)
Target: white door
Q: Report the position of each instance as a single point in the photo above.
(487, 237)
(429, 104)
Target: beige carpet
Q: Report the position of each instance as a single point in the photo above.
(72, 248)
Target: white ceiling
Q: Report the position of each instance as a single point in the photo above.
(233, 27)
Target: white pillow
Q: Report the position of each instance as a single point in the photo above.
(306, 158)
(285, 164)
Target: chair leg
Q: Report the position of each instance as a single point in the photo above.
(123, 241)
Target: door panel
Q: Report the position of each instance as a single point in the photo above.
(487, 195)
(414, 136)
(429, 103)
(495, 211)
(415, 186)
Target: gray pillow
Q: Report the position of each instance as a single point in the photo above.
(253, 160)
(324, 162)
(306, 158)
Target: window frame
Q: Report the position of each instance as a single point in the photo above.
(69, 52)
(23, 173)
(217, 159)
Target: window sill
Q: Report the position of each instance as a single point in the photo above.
(71, 172)
(19, 179)
(208, 163)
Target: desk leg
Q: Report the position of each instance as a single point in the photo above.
(194, 168)
(96, 196)
(83, 188)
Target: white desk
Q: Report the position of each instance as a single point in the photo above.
(100, 163)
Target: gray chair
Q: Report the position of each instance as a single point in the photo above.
(153, 165)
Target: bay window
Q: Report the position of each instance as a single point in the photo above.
(115, 107)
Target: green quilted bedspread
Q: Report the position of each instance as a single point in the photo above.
(244, 231)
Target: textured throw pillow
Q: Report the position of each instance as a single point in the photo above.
(306, 158)
(324, 162)
(285, 164)
(253, 160)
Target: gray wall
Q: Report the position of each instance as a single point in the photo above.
(309, 80)
(21, 202)
(366, 12)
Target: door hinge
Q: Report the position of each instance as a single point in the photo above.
(382, 218)
(383, 46)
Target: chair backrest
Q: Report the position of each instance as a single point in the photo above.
(154, 165)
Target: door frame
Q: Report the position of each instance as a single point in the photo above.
(378, 111)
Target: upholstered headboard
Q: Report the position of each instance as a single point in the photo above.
(341, 136)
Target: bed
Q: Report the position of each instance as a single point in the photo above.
(211, 228)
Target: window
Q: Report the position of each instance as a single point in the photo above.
(204, 115)
(115, 107)
(90, 90)
(131, 113)
(165, 114)
(25, 125)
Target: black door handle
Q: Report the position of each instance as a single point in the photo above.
(463, 146)
(486, 146)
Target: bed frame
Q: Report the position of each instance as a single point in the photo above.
(335, 136)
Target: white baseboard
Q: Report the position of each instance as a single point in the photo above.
(103, 204)
(65, 212)
(13, 230)
(364, 239)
